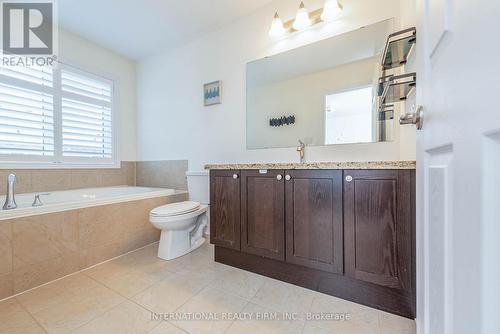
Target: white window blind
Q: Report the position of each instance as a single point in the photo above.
(56, 116)
(26, 112)
(87, 130)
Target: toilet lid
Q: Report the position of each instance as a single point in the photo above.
(175, 209)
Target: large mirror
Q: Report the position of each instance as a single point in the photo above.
(322, 94)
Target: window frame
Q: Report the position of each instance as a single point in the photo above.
(58, 161)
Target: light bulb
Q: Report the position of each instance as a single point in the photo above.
(302, 20)
(331, 11)
(277, 28)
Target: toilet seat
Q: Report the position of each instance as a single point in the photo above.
(175, 209)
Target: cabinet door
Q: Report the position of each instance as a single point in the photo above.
(263, 213)
(225, 208)
(378, 227)
(314, 219)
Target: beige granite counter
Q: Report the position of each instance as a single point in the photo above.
(318, 165)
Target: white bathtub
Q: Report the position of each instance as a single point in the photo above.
(58, 201)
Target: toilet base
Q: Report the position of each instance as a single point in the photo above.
(174, 244)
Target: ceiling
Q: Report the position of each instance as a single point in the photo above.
(138, 28)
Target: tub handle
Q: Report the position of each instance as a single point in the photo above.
(38, 201)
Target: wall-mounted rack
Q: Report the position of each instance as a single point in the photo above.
(395, 88)
(399, 45)
(382, 83)
(398, 88)
(386, 113)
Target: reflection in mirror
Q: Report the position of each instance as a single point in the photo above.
(330, 87)
(349, 116)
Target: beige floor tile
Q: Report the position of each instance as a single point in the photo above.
(126, 318)
(198, 262)
(238, 282)
(131, 273)
(284, 297)
(258, 322)
(15, 320)
(390, 323)
(310, 329)
(389, 330)
(67, 304)
(167, 328)
(211, 301)
(350, 318)
(170, 293)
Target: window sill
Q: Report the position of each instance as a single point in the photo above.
(50, 165)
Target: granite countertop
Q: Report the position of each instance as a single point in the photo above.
(318, 165)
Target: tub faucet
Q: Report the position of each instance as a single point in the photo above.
(10, 201)
(302, 151)
(37, 201)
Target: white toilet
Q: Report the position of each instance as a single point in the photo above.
(183, 224)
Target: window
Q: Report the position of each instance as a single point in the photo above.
(349, 117)
(58, 115)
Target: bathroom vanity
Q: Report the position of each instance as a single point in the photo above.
(344, 229)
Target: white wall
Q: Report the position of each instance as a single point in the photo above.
(85, 55)
(173, 124)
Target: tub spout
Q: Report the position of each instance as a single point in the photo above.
(10, 200)
(38, 202)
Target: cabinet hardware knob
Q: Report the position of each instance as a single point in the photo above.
(348, 178)
(288, 177)
(235, 176)
(279, 177)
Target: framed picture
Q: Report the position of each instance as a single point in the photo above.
(212, 93)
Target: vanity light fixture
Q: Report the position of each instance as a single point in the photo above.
(302, 20)
(277, 27)
(331, 11)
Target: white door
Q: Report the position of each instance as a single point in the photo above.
(458, 177)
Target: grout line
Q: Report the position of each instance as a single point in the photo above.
(98, 316)
(31, 315)
(76, 272)
(182, 330)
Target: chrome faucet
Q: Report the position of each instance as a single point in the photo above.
(37, 201)
(302, 151)
(10, 201)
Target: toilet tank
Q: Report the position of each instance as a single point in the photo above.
(198, 186)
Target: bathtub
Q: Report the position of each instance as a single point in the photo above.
(74, 230)
(58, 201)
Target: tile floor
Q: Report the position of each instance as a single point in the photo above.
(120, 296)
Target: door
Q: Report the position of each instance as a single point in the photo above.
(314, 219)
(225, 208)
(263, 213)
(458, 161)
(378, 227)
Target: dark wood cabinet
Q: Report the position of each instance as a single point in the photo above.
(225, 209)
(263, 213)
(378, 227)
(347, 233)
(314, 236)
